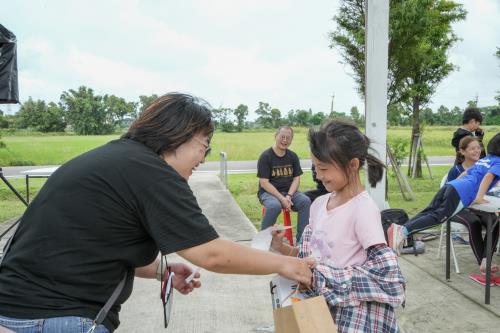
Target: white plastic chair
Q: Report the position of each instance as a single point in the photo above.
(443, 233)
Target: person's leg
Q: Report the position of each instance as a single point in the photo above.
(301, 204)
(445, 204)
(482, 267)
(70, 324)
(22, 325)
(473, 224)
(273, 209)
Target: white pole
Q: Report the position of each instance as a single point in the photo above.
(377, 42)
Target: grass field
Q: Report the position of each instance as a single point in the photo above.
(244, 189)
(57, 149)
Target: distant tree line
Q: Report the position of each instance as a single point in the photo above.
(85, 113)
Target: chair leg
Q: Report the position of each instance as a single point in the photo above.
(457, 270)
(440, 241)
(287, 222)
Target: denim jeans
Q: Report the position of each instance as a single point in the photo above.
(301, 204)
(51, 325)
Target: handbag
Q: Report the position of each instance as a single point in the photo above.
(305, 316)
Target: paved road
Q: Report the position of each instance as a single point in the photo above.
(233, 166)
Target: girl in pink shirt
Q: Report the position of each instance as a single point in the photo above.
(356, 272)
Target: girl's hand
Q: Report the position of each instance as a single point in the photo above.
(277, 241)
(479, 200)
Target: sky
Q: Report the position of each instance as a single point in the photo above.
(228, 52)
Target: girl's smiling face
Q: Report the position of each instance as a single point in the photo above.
(472, 152)
(332, 176)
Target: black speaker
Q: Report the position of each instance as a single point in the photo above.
(9, 91)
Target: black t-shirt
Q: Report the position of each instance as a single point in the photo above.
(279, 170)
(98, 216)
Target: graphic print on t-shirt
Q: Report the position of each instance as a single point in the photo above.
(282, 171)
(322, 247)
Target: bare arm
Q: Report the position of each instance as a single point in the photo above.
(148, 271)
(181, 270)
(483, 188)
(224, 256)
(295, 185)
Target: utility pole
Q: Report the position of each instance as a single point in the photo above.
(331, 106)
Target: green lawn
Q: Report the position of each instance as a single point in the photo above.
(10, 205)
(57, 149)
(244, 189)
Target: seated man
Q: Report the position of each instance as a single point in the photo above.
(279, 173)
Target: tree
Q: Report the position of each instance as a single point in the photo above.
(318, 118)
(52, 119)
(91, 114)
(118, 111)
(223, 119)
(275, 118)
(358, 119)
(497, 97)
(144, 101)
(420, 36)
(241, 113)
(265, 118)
(302, 118)
(40, 116)
(2, 144)
(30, 112)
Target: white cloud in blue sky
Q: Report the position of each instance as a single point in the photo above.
(228, 52)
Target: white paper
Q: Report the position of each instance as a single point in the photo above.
(262, 240)
(281, 291)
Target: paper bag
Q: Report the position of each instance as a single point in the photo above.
(307, 316)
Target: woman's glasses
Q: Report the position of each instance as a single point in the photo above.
(208, 149)
(167, 292)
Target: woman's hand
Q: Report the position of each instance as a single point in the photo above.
(298, 269)
(182, 271)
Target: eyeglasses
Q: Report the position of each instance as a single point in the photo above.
(208, 149)
(167, 292)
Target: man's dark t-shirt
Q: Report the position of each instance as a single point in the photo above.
(279, 170)
(98, 216)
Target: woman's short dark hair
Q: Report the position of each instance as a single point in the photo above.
(171, 120)
(339, 142)
(494, 145)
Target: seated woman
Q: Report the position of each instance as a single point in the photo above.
(468, 154)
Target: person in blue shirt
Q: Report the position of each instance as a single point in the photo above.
(468, 154)
(469, 188)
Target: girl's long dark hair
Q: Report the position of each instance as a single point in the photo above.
(339, 142)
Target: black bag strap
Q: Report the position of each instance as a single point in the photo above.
(109, 303)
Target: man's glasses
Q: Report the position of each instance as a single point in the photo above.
(208, 149)
(167, 292)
